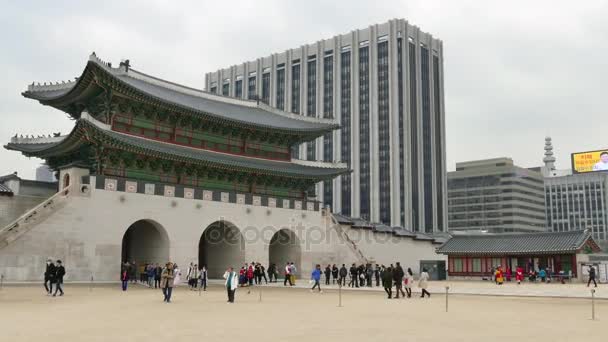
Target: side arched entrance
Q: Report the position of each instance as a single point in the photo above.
(145, 241)
(285, 247)
(221, 246)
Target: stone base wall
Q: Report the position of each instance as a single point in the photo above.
(87, 235)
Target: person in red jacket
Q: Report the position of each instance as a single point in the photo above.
(250, 274)
(519, 274)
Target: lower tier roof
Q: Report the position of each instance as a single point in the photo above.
(89, 129)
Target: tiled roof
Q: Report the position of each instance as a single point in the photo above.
(232, 110)
(181, 153)
(501, 244)
(382, 228)
(5, 190)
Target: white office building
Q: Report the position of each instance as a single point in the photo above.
(384, 85)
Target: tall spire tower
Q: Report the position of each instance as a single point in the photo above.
(549, 159)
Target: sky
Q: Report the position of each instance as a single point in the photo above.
(515, 71)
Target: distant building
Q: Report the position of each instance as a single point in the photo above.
(575, 201)
(495, 196)
(44, 174)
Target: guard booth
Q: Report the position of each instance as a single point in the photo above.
(435, 268)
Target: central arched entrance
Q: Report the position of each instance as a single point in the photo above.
(145, 241)
(221, 246)
(285, 247)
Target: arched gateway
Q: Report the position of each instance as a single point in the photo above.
(221, 246)
(145, 241)
(285, 247)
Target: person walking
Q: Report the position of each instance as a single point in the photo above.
(189, 276)
(150, 273)
(327, 274)
(377, 275)
(499, 277)
(250, 274)
(408, 282)
(231, 283)
(387, 281)
(124, 275)
(272, 273)
(157, 273)
(519, 274)
(203, 277)
(59, 273)
(287, 275)
(167, 280)
(343, 273)
(316, 276)
(263, 274)
(292, 273)
(177, 273)
(398, 278)
(591, 276)
(423, 283)
(49, 277)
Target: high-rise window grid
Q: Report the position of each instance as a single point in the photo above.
(251, 94)
(328, 148)
(414, 137)
(281, 88)
(401, 115)
(311, 150)
(266, 88)
(384, 141)
(438, 145)
(427, 153)
(345, 134)
(295, 88)
(311, 88)
(364, 156)
(328, 87)
(238, 89)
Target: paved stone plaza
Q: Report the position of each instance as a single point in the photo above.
(294, 314)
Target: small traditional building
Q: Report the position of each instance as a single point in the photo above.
(474, 256)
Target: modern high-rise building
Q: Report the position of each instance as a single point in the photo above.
(495, 196)
(575, 201)
(384, 86)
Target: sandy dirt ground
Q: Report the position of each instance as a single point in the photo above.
(105, 313)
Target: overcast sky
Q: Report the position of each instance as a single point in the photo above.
(515, 71)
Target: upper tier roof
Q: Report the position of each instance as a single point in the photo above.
(96, 130)
(224, 109)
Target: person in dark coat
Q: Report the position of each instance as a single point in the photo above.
(59, 273)
(377, 275)
(158, 271)
(591, 276)
(398, 274)
(387, 281)
(343, 273)
(49, 277)
(354, 279)
(334, 273)
(124, 275)
(327, 274)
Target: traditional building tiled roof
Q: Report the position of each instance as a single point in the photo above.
(88, 128)
(358, 223)
(518, 244)
(216, 108)
(5, 190)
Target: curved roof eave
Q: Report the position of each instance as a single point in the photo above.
(247, 113)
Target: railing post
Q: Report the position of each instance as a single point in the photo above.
(340, 294)
(260, 299)
(593, 304)
(1, 281)
(447, 289)
(91, 284)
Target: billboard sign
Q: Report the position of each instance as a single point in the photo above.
(590, 161)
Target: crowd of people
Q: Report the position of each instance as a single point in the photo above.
(165, 278)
